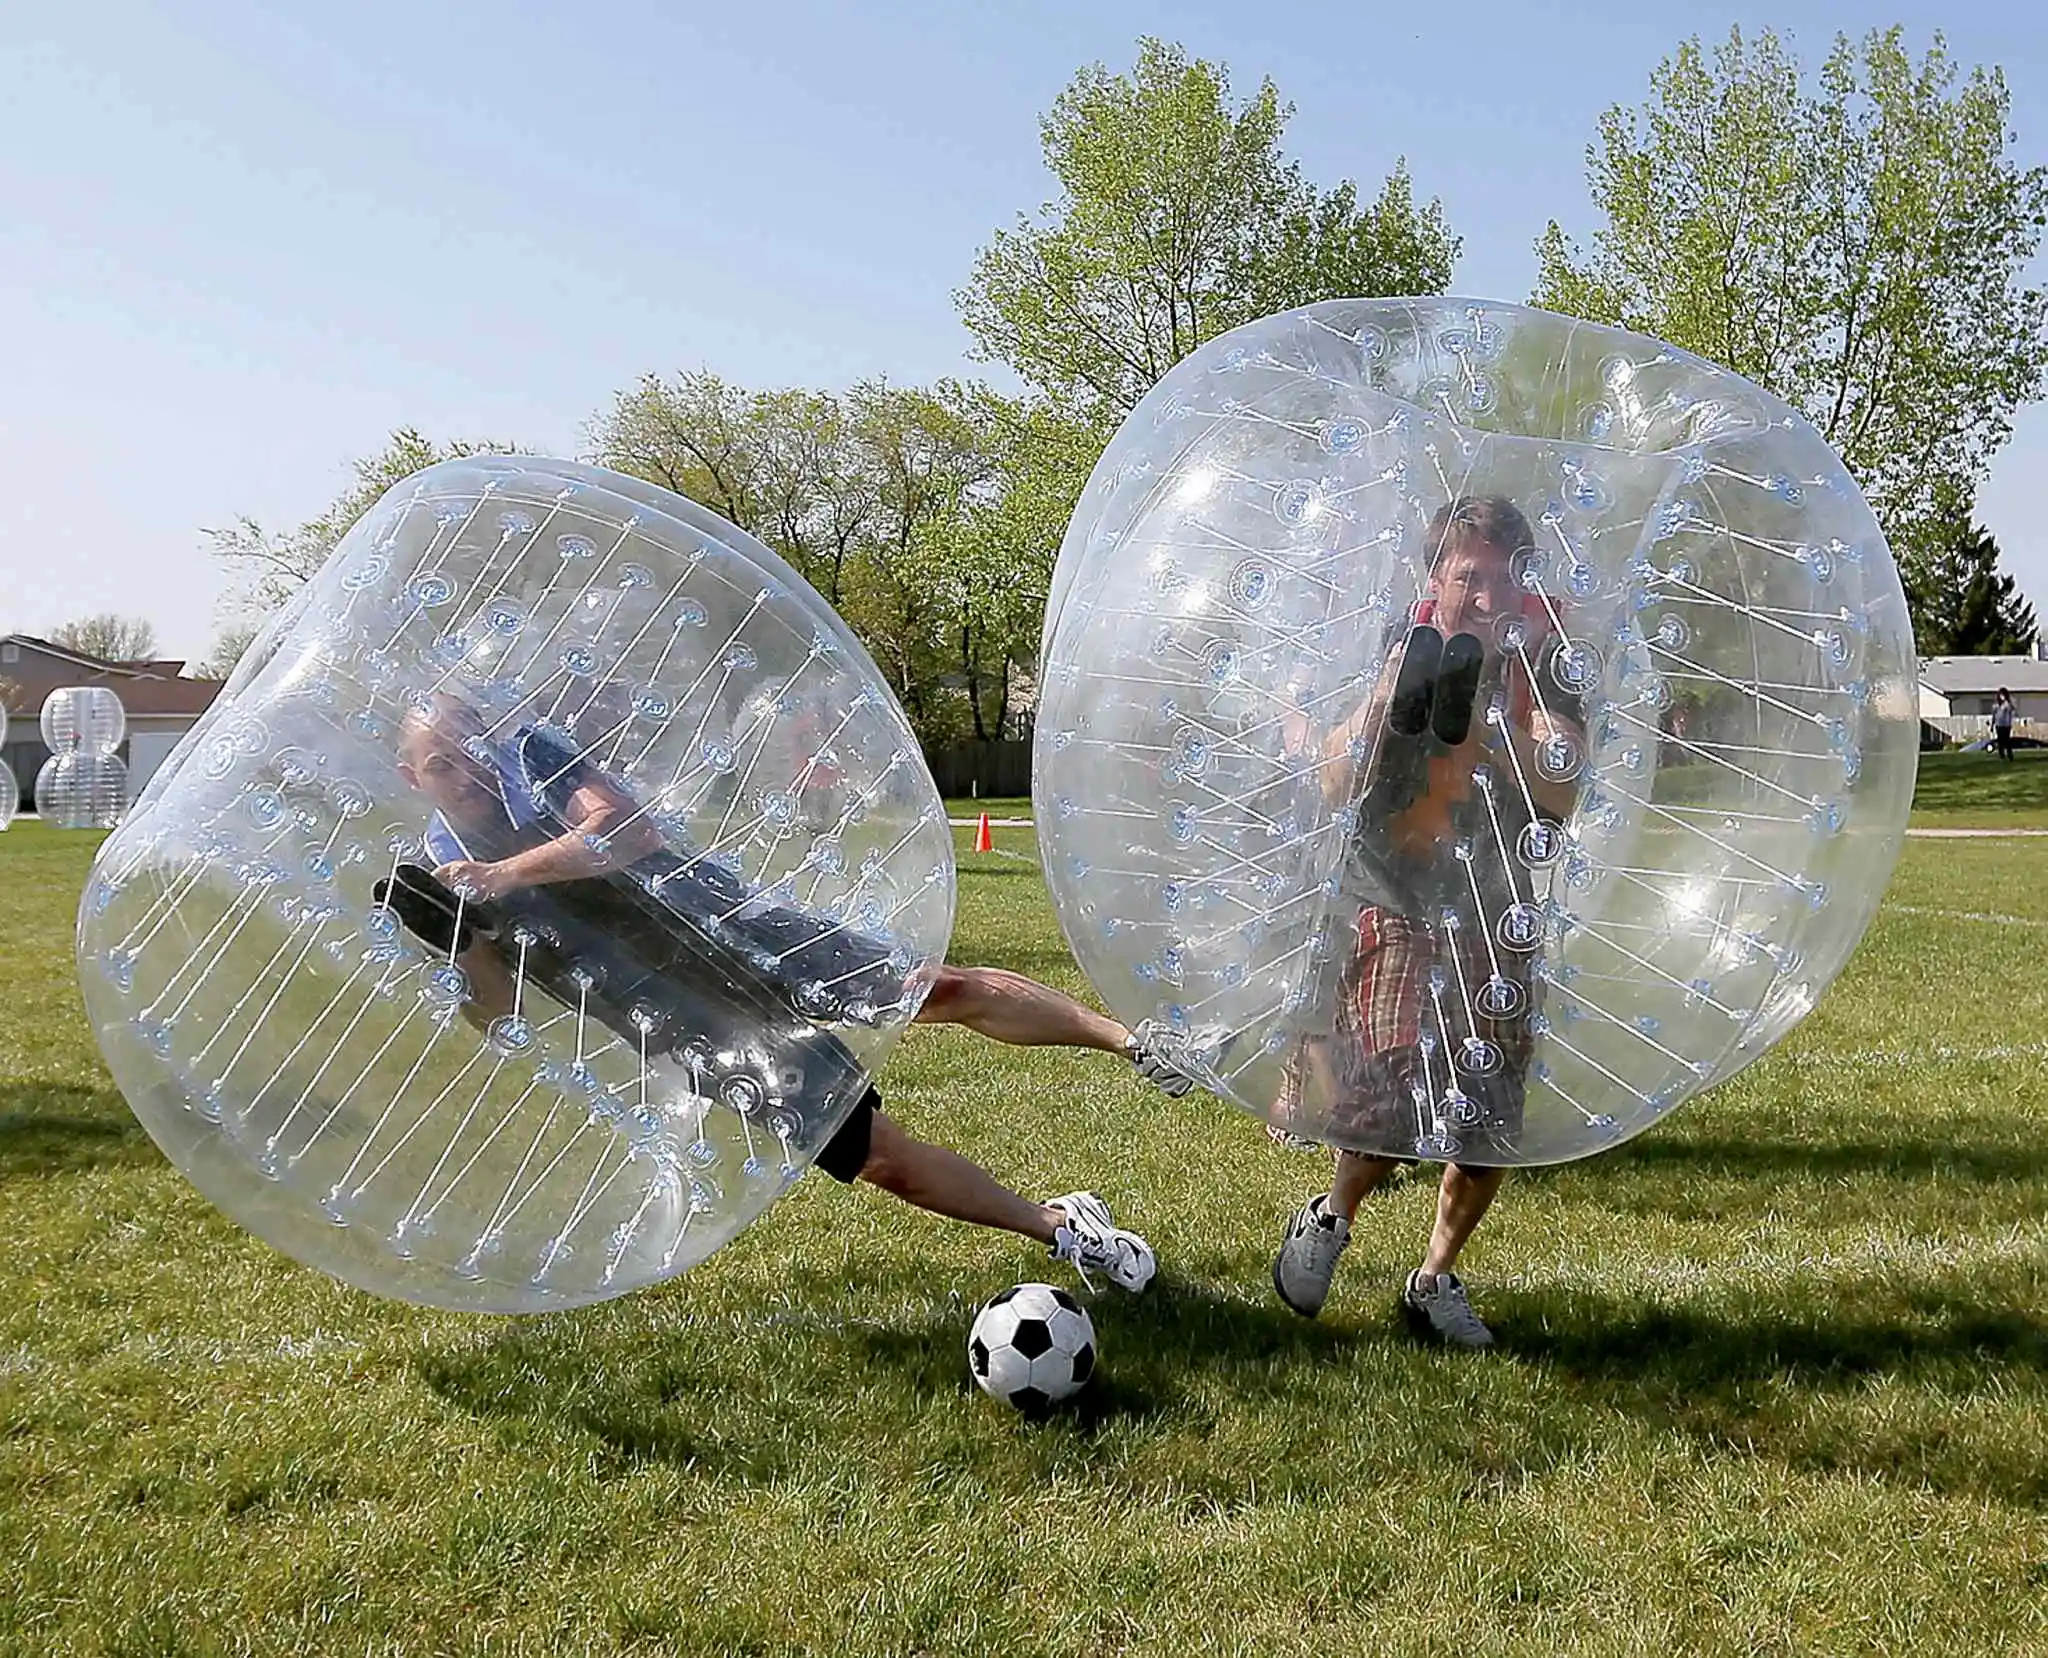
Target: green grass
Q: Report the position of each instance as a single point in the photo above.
(1773, 1378)
(1958, 790)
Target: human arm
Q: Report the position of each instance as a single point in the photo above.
(1343, 747)
(606, 832)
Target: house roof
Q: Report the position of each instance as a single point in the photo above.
(1981, 675)
(154, 687)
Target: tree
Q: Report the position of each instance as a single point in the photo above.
(784, 466)
(271, 565)
(994, 557)
(229, 646)
(109, 637)
(1178, 219)
(928, 454)
(698, 435)
(1855, 246)
(1962, 604)
(928, 516)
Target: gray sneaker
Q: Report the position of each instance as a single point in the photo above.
(1307, 1261)
(1171, 1060)
(1436, 1310)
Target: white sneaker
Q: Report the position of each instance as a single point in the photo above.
(1092, 1242)
(1316, 1235)
(1436, 1310)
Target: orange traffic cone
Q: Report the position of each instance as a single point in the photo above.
(983, 840)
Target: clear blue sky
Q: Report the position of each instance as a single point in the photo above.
(240, 245)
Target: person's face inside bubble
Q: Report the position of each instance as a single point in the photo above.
(1474, 585)
(431, 759)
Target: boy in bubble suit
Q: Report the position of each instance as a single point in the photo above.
(1472, 733)
(528, 830)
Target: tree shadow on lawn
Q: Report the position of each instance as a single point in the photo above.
(536, 1384)
(1941, 1387)
(1781, 1160)
(1016, 868)
(58, 1128)
(1963, 1363)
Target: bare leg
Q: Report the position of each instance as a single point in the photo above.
(1309, 1068)
(1461, 1204)
(947, 1184)
(1007, 1007)
(1355, 1179)
(490, 984)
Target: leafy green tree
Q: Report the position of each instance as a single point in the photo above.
(928, 452)
(1178, 219)
(928, 516)
(988, 562)
(270, 565)
(1855, 244)
(1963, 605)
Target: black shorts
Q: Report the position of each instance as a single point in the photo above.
(846, 1153)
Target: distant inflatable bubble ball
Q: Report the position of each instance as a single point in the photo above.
(1469, 733)
(82, 791)
(83, 719)
(10, 795)
(474, 948)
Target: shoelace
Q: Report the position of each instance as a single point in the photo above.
(1067, 1245)
(1324, 1246)
(1456, 1310)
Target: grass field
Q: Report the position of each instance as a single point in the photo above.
(1772, 1379)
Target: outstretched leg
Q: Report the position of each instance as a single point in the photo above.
(1077, 1228)
(934, 1178)
(1008, 1007)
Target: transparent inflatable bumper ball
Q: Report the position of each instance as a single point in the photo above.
(534, 903)
(1466, 732)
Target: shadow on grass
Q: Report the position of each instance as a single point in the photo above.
(1774, 1162)
(55, 1128)
(1154, 1347)
(1873, 1378)
(527, 1379)
(762, 1398)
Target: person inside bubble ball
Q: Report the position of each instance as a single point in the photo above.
(1470, 741)
(527, 830)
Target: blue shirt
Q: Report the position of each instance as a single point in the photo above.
(527, 805)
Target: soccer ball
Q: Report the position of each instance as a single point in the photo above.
(1032, 1346)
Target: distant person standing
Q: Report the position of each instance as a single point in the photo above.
(2001, 723)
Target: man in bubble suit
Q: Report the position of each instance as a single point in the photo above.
(618, 922)
(1450, 703)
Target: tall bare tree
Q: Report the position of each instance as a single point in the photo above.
(109, 637)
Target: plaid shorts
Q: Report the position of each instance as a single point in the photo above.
(1376, 1064)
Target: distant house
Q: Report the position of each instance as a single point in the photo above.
(162, 703)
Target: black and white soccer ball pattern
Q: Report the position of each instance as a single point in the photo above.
(1032, 1346)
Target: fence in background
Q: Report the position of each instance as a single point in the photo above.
(985, 769)
(1967, 728)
